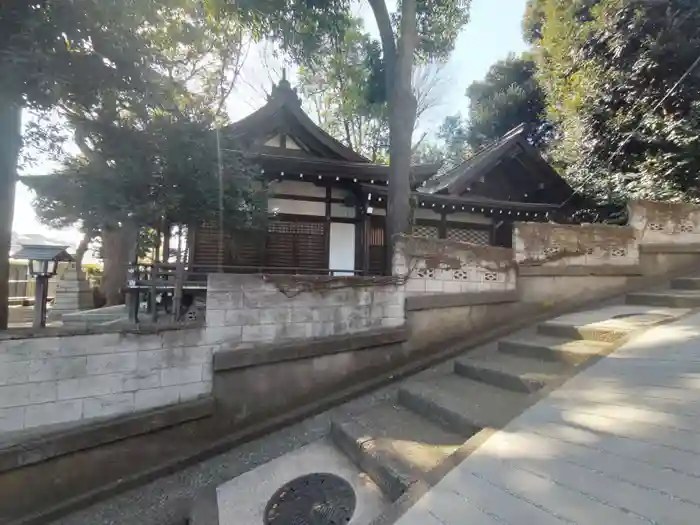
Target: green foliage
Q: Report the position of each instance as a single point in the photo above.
(605, 65)
(337, 88)
(300, 27)
(428, 153)
(509, 95)
(167, 170)
(72, 51)
(439, 23)
(453, 134)
(148, 149)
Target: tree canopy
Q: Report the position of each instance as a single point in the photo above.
(337, 88)
(419, 30)
(609, 68)
(154, 84)
(508, 96)
(55, 53)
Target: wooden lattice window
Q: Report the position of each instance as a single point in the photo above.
(473, 236)
(429, 232)
(296, 244)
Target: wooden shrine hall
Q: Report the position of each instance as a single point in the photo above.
(327, 202)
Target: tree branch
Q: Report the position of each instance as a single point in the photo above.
(386, 33)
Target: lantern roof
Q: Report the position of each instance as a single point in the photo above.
(43, 252)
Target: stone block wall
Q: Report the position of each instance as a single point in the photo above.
(436, 266)
(51, 380)
(570, 246)
(665, 222)
(243, 310)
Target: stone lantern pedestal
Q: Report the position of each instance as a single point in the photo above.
(73, 293)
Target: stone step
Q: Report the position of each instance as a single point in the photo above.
(686, 283)
(554, 349)
(519, 374)
(394, 446)
(461, 405)
(602, 332)
(670, 298)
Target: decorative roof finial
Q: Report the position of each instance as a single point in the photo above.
(284, 90)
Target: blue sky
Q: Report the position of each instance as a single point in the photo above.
(494, 31)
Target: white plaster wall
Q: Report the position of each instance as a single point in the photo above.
(342, 248)
(317, 209)
(341, 211)
(421, 213)
(339, 193)
(434, 214)
(473, 218)
(297, 187)
(51, 380)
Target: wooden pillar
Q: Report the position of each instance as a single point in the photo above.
(167, 227)
(328, 227)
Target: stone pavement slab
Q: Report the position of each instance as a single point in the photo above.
(619, 443)
(243, 500)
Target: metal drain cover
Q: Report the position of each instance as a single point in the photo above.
(314, 499)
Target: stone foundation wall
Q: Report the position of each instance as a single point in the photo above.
(51, 380)
(244, 310)
(454, 290)
(435, 266)
(660, 223)
(590, 249)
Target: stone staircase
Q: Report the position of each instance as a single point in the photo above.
(433, 415)
(399, 443)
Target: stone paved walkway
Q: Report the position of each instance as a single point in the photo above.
(618, 444)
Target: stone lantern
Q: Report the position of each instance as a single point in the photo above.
(43, 264)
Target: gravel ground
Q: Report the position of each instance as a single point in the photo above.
(167, 500)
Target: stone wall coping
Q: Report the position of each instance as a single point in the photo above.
(35, 448)
(268, 353)
(458, 245)
(600, 270)
(586, 225)
(434, 301)
(70, 331)
(271, 278)
(662, 247)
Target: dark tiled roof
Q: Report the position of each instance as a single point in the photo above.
(42, 252)
(453, 173)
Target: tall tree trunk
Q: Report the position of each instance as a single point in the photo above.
(398, 61)
(80, 252)
(118, 250)
(10, 143)
(167, 230)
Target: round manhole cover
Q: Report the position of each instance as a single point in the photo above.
(314, 499)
